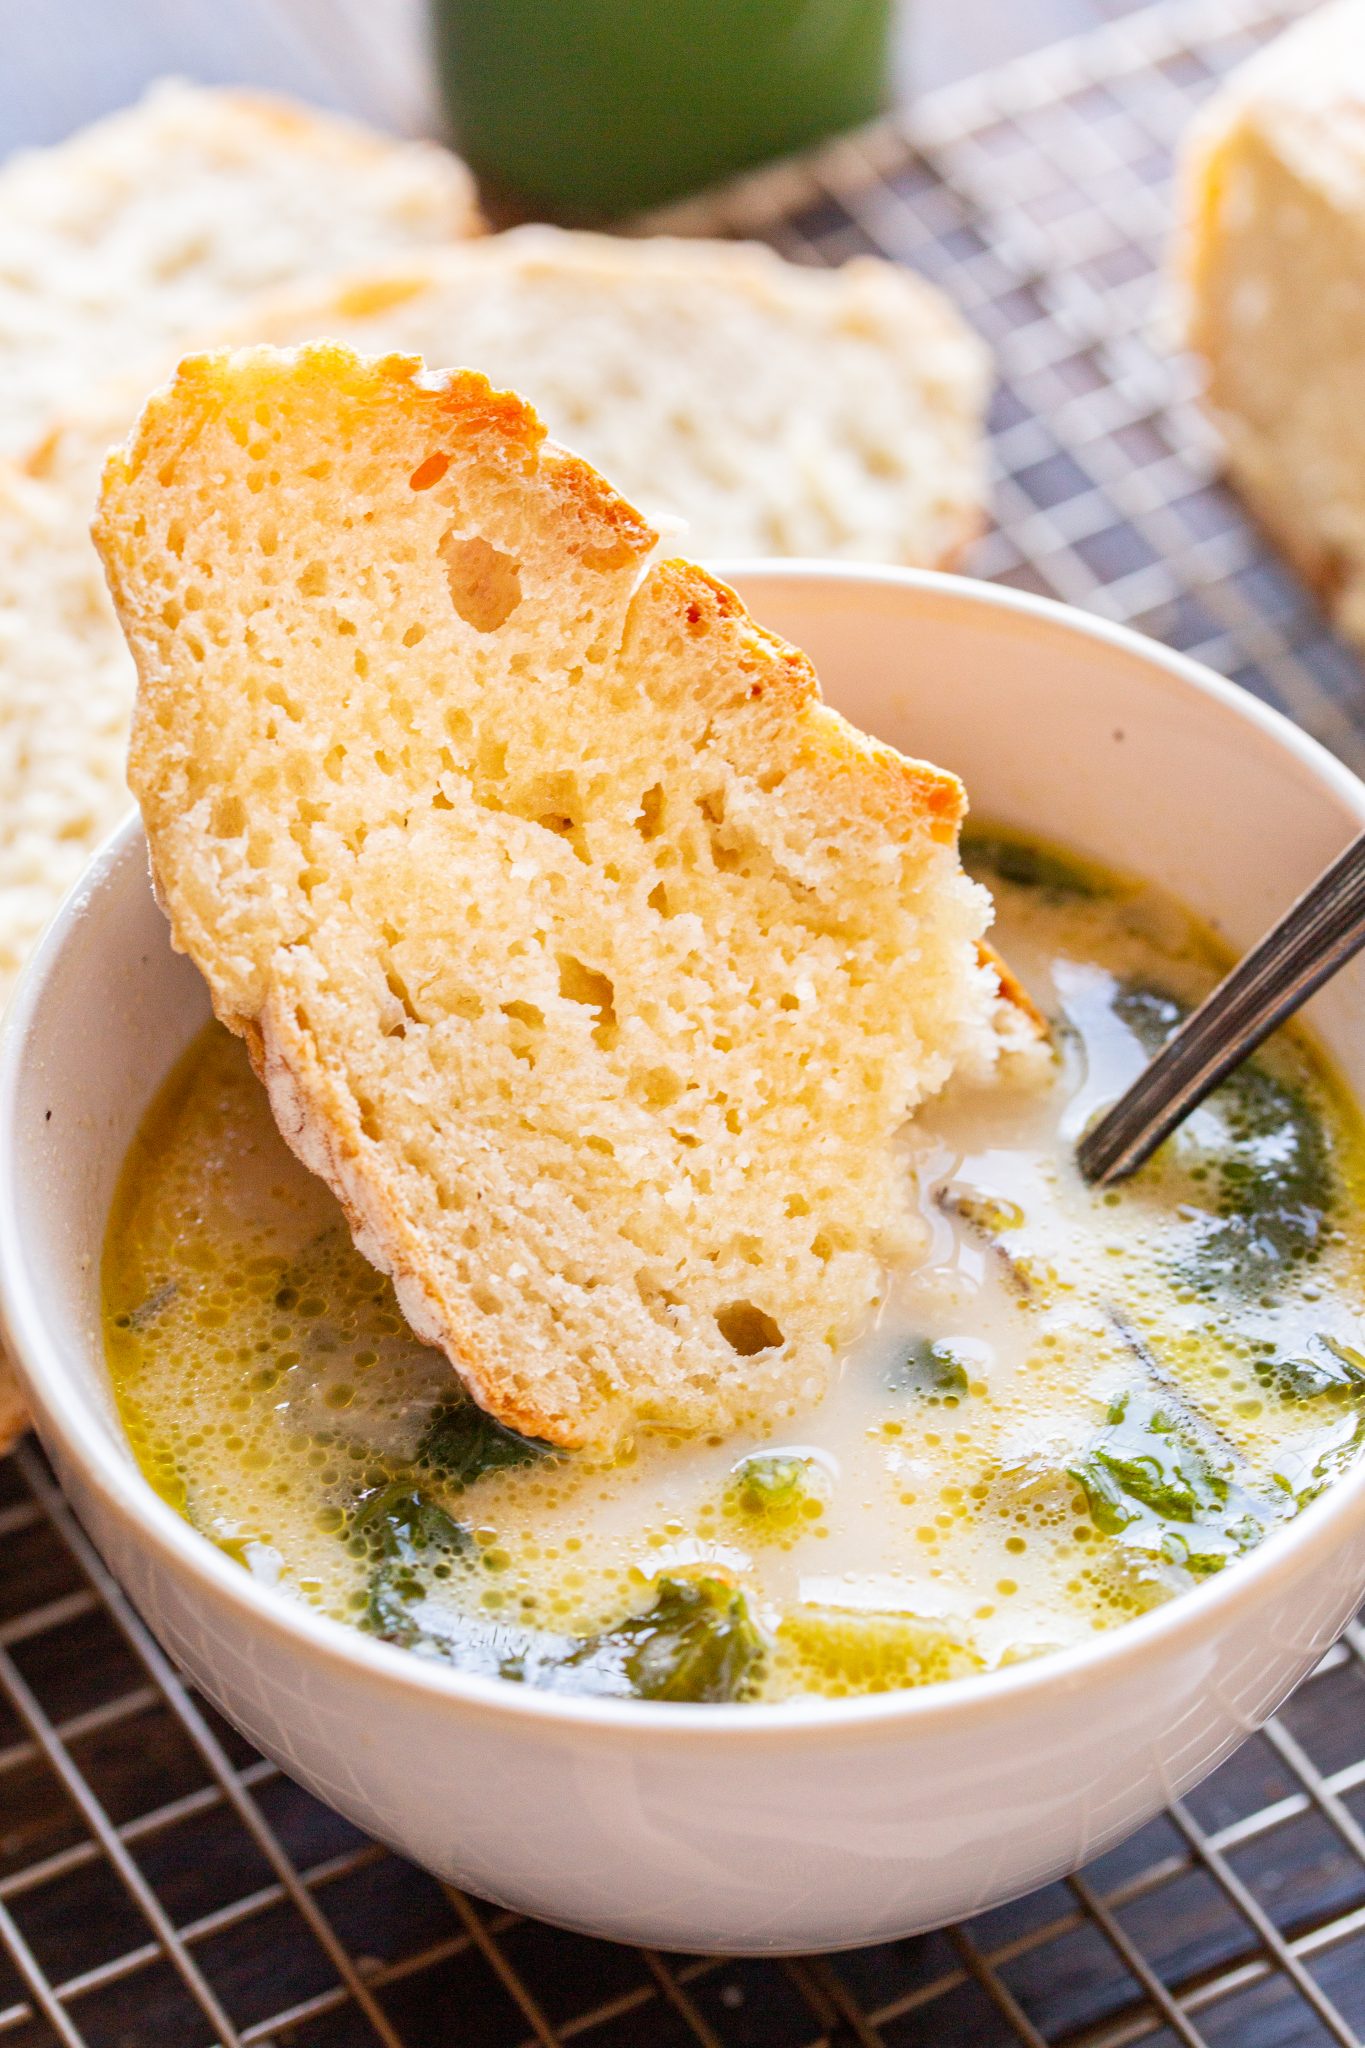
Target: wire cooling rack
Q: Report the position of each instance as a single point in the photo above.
(159, 1882)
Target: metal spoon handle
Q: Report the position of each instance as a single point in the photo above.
(1311, 941)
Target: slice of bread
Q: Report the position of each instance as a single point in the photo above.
(775, 408)
(156, 223)
(1274, 262)
(586, 954)
(66, 691)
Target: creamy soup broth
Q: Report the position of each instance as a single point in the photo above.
(1072, 1408)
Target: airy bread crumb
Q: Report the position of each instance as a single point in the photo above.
(591, 959)
(772, 408)
(1273, 255)
(156, 222)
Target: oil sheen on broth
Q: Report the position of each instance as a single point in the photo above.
(1075, 1406)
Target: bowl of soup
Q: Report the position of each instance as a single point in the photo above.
(1081, 1505)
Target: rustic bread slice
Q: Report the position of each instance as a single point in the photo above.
(775, 408)
(590, 958)
(156, 222)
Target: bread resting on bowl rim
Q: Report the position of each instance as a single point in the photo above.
(589, 957)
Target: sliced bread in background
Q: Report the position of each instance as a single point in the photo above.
(774, 408)
(66, 686)
(115, 246)
(157, 222)
(591, 960)
(1274, 274)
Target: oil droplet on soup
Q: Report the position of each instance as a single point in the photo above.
(1075, 1407)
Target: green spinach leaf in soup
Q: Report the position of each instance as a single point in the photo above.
(461, 1442)
(1150, 1014)
(1027, 864)
(1265, 1188)
(1146, 1480)
(930, 1366)
(1335, 1458)
(773, 1492)
(697, 1641)
(1326, 1371)
(410, 1540)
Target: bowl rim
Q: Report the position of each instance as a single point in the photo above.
(1299, 1544)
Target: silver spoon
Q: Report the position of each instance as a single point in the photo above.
(1311, 941)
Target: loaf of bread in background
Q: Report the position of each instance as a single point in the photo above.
(157, 222)
(587, 955)
(774, 408)
(1274, 271)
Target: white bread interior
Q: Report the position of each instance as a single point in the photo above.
(1273, 260)
(772, 408)
(159, 220)
(591, 959)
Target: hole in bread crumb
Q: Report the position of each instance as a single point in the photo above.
(414, 636)
(313, 580)
(582, 984)
(524, 1020)
(525, 1013)
(398, 990)
(486, 1301)
(485, 584)
(658, 900)
(429, 472)
(650, 822)
(658, 1086)
(746, 1329)
(229, 818)
(797, 1205)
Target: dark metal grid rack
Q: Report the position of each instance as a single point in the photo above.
(160, 1882)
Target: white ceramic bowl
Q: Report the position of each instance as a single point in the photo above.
(736, 1828)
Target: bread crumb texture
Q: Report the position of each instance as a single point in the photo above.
(1274, 274)
(66, 686)
(772, 408)
(156, 221)
(592, 960)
